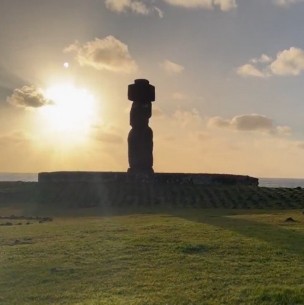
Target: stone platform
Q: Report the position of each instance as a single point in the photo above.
(157, 178)
(104, 189)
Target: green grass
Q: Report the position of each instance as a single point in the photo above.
(155, 256)
(162, 244)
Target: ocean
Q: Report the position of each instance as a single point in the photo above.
(264, 182)
(26, 177)
(281, 182)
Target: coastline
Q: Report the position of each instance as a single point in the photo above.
(263, 182)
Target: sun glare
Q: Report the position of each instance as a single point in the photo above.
(71, 109)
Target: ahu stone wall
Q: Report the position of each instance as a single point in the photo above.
(157, 178)
(88, 189)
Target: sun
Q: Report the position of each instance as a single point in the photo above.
(71, 109)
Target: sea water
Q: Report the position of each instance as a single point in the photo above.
(281, 182)
(26, 177)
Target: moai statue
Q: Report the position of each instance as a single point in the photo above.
(140, 139)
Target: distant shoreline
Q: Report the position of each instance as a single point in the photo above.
(263, 182)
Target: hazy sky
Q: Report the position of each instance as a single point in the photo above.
(228, 76)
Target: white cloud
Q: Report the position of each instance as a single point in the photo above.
(28, 96)
(159, 12)
(286, 3)
(262, 59)
(257, 67)
(251, 70)
(224, 5)
(219, 122)
(287, 62)
(104, 54)
(137, 7)
(143, 8)
(172, 67)
(284, 130)
(249, 122)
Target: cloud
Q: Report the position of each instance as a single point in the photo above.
(157, 112)
(141, 7)
(284, 130)
(159, 12)
(107, 134)
(286, 3)
(249, 122)
(28, 96)
(218, 149)
(104, 54)
(218, 121)
(224, 5)
(15, 137)
(187, 118)
(172, 67)
(8, 82)
(179, 96)
(257, 67)
(251, 70)
(252, 122)
(262, 59)
(137, 7)
(289, 62)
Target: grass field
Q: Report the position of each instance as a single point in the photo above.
(151, 255)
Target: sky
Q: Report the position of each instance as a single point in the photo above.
(228, 77)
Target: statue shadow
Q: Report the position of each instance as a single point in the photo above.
(283, 235)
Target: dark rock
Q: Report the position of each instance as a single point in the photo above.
(6, 224)
(290, 219)
(47, 219)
